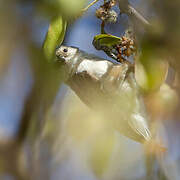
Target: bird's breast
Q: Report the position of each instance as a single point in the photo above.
(95, 68)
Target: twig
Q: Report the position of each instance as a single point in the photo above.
(133, 12)
(102, 28)
(91, 4)
(126, 8)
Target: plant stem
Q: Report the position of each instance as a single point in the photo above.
(91, 4)
(126, 8)
(102, 28)
(132, 11)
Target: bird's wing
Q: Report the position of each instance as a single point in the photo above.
(87, 87)
(114, 78)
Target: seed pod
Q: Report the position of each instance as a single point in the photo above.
(101, 13)
(111, 17)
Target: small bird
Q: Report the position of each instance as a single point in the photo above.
(107, 87)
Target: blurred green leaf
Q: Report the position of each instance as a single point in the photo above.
(101, 152)
(71, 8)
(48, 75)
(151, 69)
(54, 36)
(67, 8)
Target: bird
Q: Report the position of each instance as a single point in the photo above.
(107, 87)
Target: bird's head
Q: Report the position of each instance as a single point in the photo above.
(67, 56)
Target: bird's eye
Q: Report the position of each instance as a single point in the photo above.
(65, 50)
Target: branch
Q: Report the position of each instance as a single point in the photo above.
(91, 4)
(126, 8)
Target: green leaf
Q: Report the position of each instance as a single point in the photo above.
(54, 36)
(69, 9)
(107, 40)
(101, 151)
(150, 69)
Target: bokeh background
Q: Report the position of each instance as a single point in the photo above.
(67, 141)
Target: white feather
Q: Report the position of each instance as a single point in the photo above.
(97, 68)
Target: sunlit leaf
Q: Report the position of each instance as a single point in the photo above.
(69, 9)
(105, 40)
(54, 36)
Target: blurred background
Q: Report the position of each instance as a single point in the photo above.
(46, 132)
